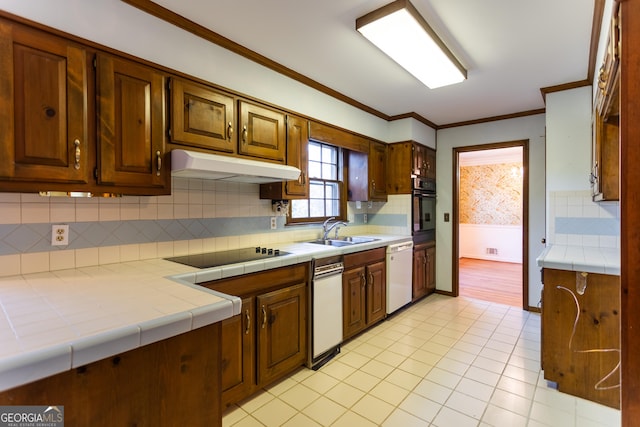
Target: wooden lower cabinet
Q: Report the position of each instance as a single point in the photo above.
(364, 290)
(268, 339)
(174, 382)
(581, 335)
(424, 270)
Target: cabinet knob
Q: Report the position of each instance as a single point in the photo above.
(76, 143)
(50, 112)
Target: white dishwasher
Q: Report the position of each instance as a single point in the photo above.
(399, 275)
(326, 309)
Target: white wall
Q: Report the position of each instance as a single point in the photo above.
(531, 128)
(476, 238)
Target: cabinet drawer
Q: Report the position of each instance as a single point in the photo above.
(365, 257)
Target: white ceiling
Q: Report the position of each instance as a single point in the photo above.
(511, 49)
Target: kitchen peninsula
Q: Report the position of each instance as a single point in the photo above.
(121, 335)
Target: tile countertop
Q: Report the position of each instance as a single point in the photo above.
(52, 322)
(581, 258)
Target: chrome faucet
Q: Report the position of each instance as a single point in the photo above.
(326, 227)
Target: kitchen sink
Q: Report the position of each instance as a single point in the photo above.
(344, 241)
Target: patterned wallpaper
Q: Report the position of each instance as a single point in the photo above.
(491, 194)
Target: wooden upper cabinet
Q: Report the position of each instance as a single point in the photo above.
(131, 142)
(377, 171)
(357, 176)
(262, 132)
(424, 161)
(407, 160)
(44, 135)
(400, 167)
(297, 156)
(202, 116)
(605, 171)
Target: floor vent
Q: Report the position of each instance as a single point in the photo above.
(492, 251)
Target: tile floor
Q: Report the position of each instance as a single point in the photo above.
(441, 362)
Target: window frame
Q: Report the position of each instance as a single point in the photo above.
(342, 200)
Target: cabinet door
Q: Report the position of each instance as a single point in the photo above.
(282, 332)
(419, 273)
(358, 176)
(202, 117)
(131, 144)
(581, 341)
(262, 132)
(418, 159)
(354, 300)
(298, 156)
(44, 133)
(238, 354)
(430, 273)
(429, 163)
(377, 171)
(376, 292)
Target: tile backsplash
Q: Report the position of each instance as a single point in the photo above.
(198, 216)
(574, 219)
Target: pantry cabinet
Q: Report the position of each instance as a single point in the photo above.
(202, 116)
(262, 132)
(363, 290)
(424, 270)
(131, 141)
(581, 334)
(268, 339)
(44, 125)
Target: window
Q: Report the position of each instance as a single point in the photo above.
(325, 186)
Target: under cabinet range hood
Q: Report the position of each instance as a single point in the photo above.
(193, 164)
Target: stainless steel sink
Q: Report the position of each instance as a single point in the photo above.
(344, 241)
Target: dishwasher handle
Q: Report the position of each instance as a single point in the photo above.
(399, 247)
(328, 270)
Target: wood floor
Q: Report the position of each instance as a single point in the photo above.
(493, 281)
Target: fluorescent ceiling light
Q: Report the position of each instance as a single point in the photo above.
(403, 34)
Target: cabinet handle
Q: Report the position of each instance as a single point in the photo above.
(244, 133)
(248, 319)
(302, 178)
(77, 145)
(159, 161)
(363, 280)
(373, 184)
(229, 131)
(370, 279)
(264, 317)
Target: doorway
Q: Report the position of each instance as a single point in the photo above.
(490, 222)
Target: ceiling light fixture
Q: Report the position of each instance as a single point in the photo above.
(403, 34)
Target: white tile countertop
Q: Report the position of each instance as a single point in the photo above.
(52, 322)
(581, 258)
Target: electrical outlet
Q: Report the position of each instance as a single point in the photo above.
(60, 235)
(364, 218)
(274, 224)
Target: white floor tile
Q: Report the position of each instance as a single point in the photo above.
(441, 362)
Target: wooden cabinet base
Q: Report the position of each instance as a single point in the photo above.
(581, 335)
(169, 383)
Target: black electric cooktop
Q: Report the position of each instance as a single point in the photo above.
(216, 259)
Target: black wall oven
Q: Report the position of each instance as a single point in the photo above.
(423, 214)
